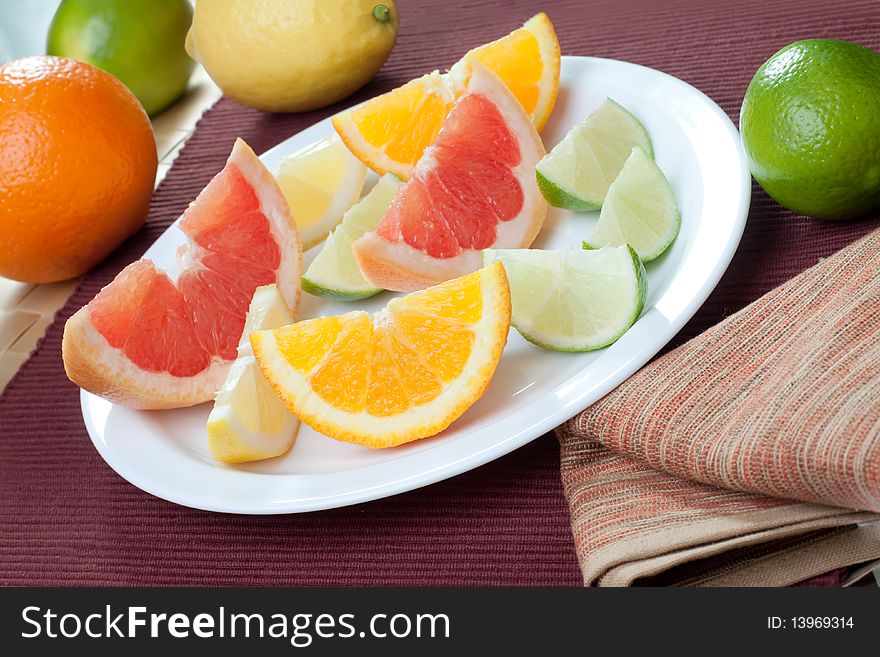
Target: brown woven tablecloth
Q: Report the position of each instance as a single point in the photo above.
(66, 518)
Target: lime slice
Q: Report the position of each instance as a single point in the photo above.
(334, 273)
(320, 182)
(248, 421)
(573, 300)
(577, 173)
(640, 210)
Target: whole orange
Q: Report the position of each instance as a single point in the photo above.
(77, 167)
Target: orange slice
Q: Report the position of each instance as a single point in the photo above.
(390, 132)
(403, 374)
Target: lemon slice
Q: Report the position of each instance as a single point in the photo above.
(640, 210)
(320, 182)
(577, 173)
(334, 273)
(248, 422)
(573, 300)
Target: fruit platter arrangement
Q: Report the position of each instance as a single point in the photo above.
(436, 275)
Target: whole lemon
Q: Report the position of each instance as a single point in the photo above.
(139, 43)
(810, 125)
(292, 55)
(77, 167)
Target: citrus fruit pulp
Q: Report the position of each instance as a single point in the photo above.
(810, 128)
(248, 421)
(320, 182)
(403, 374)
(146, 341)
(475, 188)
(640, 210)
(578, 171)
(334, 273)
(390, 132)
(573, 300)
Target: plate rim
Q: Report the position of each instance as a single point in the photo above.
(512, 441)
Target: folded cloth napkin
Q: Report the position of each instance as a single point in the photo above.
(747, 456)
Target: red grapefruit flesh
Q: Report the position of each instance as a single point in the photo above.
(474, 189)
(147, 341)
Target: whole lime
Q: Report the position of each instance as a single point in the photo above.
(292, 55)
(810, 125)
(141, 43)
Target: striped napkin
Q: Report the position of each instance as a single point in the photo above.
(747, 456)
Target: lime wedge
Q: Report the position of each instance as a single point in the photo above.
(248, 421)
(334, 272)
(320, 182)
(640, 210)
(573, 300)
(577, 173)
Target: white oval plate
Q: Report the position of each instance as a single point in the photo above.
(165, 452)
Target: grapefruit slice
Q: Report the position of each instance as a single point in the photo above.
(146, 341)
(475, 188)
